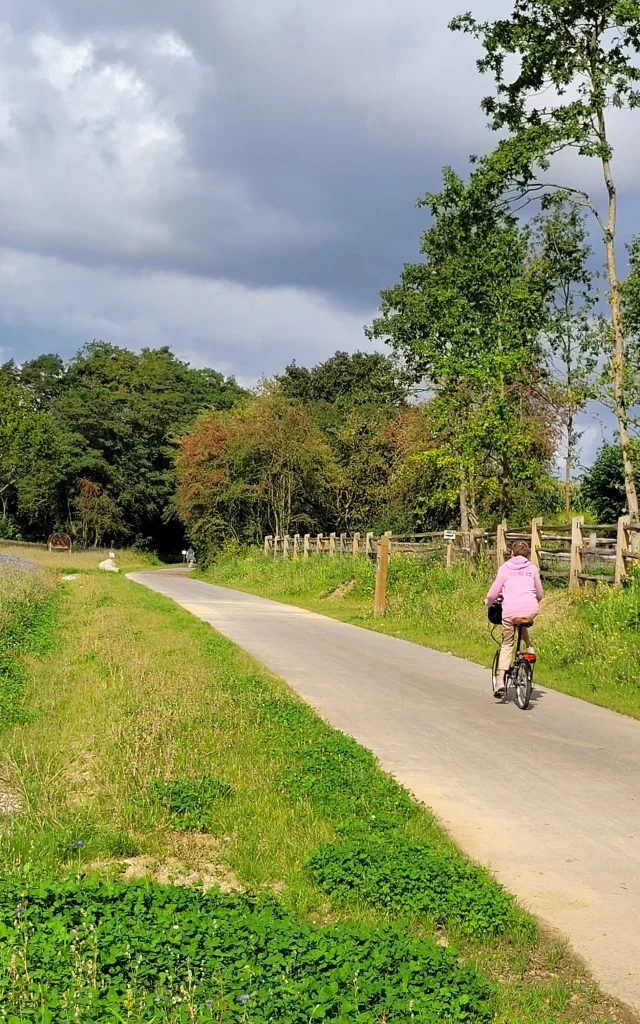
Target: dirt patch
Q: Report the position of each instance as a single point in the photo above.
(343, 589)
(173, 871)
(9, 803)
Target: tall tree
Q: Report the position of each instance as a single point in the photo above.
(468, 320)
(346, 380)
(574, 336)
(576, 62)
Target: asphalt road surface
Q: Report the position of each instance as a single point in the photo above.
(548, 798)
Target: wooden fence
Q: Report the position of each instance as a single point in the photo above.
(578, 553)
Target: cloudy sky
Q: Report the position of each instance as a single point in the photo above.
(235, 178)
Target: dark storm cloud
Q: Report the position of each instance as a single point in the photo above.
(236, 179)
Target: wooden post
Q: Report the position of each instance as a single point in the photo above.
(307, 538)
(296, 545)
(382, 567)
(501, 544)
(319, 544)
(276, 542)
(622, 545)
(451, 551)
(368, 544)
(332, 544)
(267, 544)
(285, 545)
(356, 544)
(475, 548)
(343, 543)
(536, 540)
(577, 542)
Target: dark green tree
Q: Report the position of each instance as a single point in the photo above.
(602, 487)
(346, 380)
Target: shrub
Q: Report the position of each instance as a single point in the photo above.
(99, 951)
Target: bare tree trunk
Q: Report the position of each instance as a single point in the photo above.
(618, 367)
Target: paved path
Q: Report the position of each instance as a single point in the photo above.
(549, 798)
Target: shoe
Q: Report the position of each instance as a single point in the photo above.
(499, 693)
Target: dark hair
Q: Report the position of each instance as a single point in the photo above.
(521, 547)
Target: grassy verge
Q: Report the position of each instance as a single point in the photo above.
(28, 606)
(588, 645)
(127, 559)
(161, 755)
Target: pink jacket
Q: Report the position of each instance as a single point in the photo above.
(520, 583)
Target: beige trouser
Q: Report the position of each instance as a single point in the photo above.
(509, 635)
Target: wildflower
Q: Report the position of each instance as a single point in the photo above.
(78, 844)
(244, 999)
(209, 1002)
(19, 910)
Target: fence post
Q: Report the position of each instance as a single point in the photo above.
(285, 545)
(536, 540)
(307, 538)
(451, 550)
(577, 542)
(319, 544)
(356, 544)
(382, 567)
(622, 545)
(475, 543)
(296, 545)
(332, 544)
(368, 544)
(267, 544)
(343, 543)
(501, 542)
(276, 541)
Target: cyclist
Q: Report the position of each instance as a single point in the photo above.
(518, 580)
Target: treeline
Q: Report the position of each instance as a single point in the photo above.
(88, 446)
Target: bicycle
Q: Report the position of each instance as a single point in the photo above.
(520, 675)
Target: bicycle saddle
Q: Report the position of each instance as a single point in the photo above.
(522, 621)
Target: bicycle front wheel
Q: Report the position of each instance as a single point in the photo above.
(524, 684)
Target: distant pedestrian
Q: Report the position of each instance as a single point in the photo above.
(191, 557)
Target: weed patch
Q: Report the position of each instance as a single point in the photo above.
(94, 950)
(189, 802)
(411, 878)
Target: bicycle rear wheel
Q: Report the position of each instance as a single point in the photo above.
(524, 684)
(494, 671)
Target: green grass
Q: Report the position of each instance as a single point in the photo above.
(588, 644)
(28, 609)
(157, 754)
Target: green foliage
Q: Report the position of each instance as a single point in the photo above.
(108, 418)
(602, 485)
(95, 950)
(189, 802)
(468, 320)
(346, 380)
(410, 878)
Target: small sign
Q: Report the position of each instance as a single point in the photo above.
(450, 535)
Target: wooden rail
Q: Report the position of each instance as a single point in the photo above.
(577, 553)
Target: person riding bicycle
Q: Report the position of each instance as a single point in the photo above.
(519, 582)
